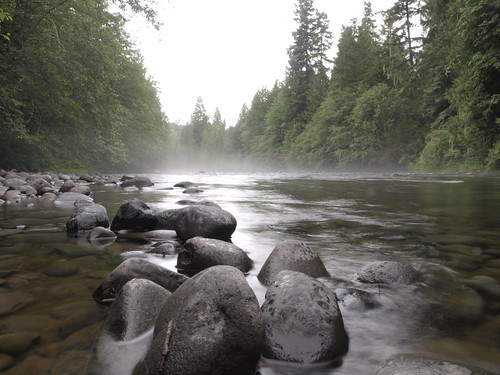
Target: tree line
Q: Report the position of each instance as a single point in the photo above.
(420, 92)
(74, 94)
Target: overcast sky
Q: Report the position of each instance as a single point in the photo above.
(226, 50)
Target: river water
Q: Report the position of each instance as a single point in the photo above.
(447, 227)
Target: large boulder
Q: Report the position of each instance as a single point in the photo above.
(204, 221)
(87, 218)
(387, 272)
(212, 324)
(200, 253)
(136, 268)
(166, 219)
(291, 255)
(134, 215)
(302, 321)
(135, 309)
(405, 364)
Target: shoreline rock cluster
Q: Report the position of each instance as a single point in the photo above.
(206, 318)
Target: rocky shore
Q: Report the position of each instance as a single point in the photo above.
(203, 319)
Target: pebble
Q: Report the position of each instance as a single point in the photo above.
(13, 302)
(17, 343)
(61, 268)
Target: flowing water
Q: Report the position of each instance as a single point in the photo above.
(447, 227)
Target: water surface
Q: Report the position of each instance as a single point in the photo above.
(447, 227)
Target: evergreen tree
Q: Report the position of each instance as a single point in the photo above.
(199, 121)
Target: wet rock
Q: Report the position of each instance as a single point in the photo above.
(404, 364)
(12, 196)
(302, 321)
(48, 198)
(185, 184)
(355, 299)
(81, 189)
(87, 218)
(79, 319)
(214, 315)
(70, 198)
(136, 268)
(204, 221)
(166, 219)
(294, 256)
(99, 233)
(486, 286)
(41, 364)
(11, 302)
(387, 272)
(74, 251)
(135, 309)
(39, 183)
(62, 268)
(67, 186)
(200, 253)
(5, 361)
(165, 248)
(83, 339)
(71, 362)
(201, 202)
(139, 182)
(134, 215)
(18, 342)
(193, 190)
(14, 182)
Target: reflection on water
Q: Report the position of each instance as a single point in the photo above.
(447, 227)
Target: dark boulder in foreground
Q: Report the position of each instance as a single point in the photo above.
(302, 321)
(387, 272)
(87, 218)
(291, 255)
(135, 309)
(204, 221)
(134, 215)
(212, 324)
(136, 268)
(200, 253)
(405, 364)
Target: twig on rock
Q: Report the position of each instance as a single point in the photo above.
(164, 354)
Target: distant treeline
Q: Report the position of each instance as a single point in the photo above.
(421, 92)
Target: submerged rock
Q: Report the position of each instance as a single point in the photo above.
(405, 364)
(87, 218)
(136, 268)
(387, 272)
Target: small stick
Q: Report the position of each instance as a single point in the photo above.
(164, 354)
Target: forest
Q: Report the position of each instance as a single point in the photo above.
(421, 92)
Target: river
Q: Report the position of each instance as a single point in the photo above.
(447, 227)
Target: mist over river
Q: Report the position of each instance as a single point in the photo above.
(447, 227)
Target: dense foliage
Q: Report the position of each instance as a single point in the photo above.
(421, 92)
(73, 92)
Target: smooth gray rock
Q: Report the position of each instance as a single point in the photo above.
(294, 256)
(355, 299)
(387, 272)
(302, 321)
(87, 218)
(204, 221)
(200, 253)
(140, 269)
(134, 215)
(407, 364)
(71, 198)
(135, 309)
(138, 181)
(212, 324)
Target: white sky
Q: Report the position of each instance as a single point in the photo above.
(226, 50)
